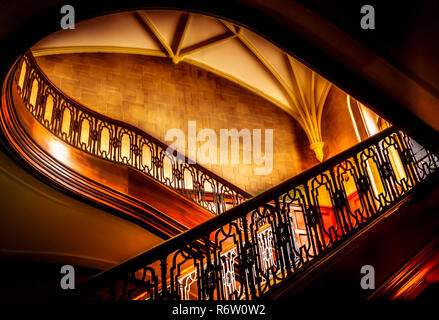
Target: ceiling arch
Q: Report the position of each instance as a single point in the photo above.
(221, 47)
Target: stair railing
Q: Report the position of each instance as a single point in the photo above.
(244, 252)
(120, 142)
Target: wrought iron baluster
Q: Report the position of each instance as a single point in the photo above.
(248, 260)
(165, 295)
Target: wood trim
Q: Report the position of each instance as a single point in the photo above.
(410, 280)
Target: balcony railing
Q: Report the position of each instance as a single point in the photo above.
(244, 252)
(119, 142)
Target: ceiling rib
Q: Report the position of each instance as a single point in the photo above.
(158, 36)
(307, 112)
(207, 43)
(180, 34)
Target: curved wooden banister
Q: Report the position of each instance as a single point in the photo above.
(120, 142)
(24, 149)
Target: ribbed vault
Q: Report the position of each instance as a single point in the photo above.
(219, 46)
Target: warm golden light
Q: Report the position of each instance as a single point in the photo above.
(59, 151)
(352, 117)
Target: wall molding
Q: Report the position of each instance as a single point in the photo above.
(95, 49)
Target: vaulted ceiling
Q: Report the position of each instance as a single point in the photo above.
(221, 47)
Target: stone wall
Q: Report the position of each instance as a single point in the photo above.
(156, 95)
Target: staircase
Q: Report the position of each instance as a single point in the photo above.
(274, 245)
(280, 242)
(107, 159)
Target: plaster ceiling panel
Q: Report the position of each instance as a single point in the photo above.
(320, 85)
(303, 77)
(273, 55)
(120, 30)
(166, 23)
(233, 59)
(202, 28)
